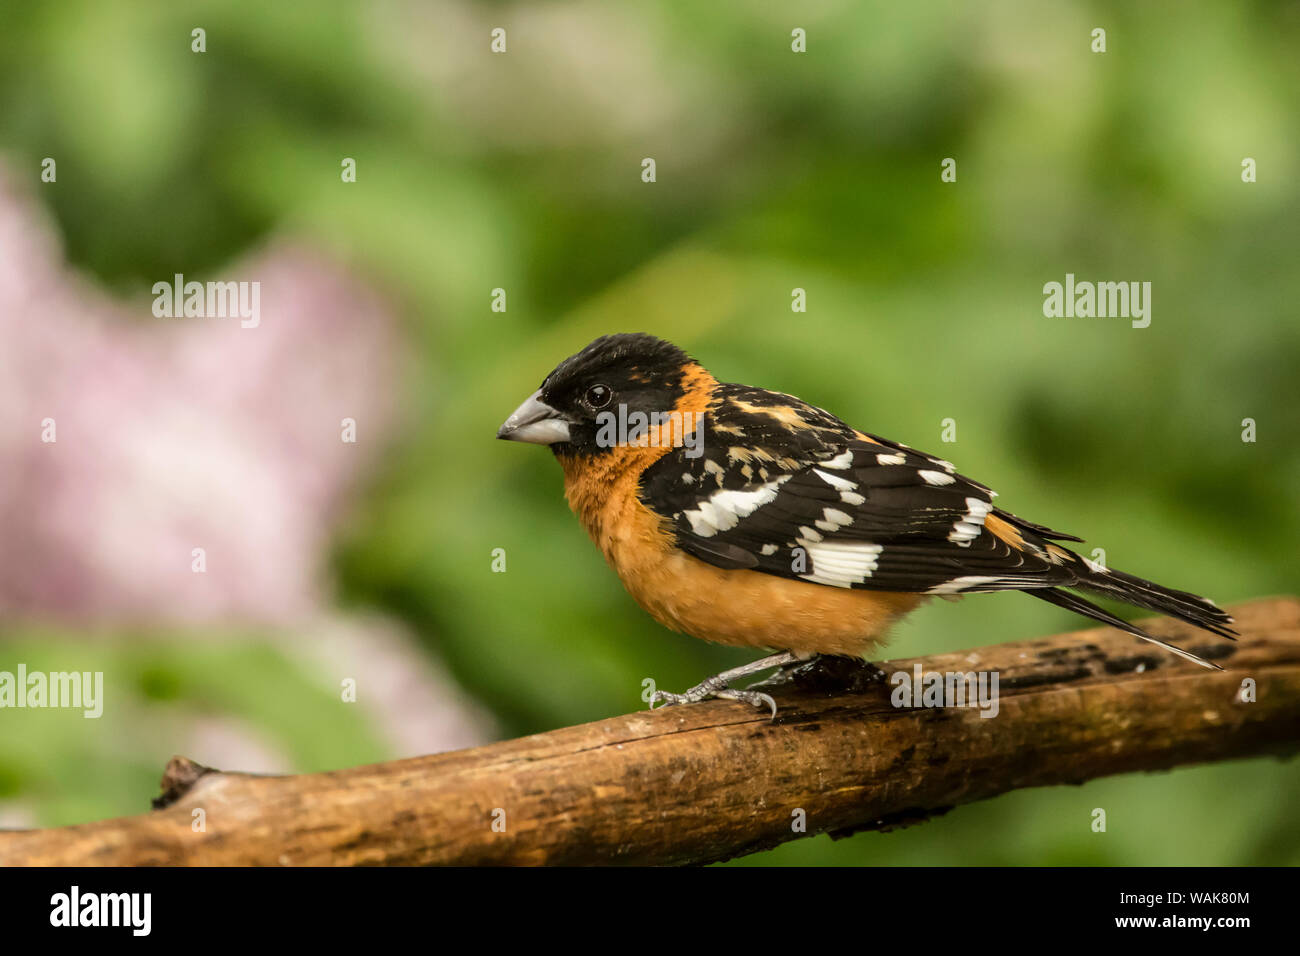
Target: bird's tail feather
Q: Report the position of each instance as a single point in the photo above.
(1072, 602)
(1139, 592)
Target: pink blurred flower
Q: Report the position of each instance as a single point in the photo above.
(179, 433)
(183, 433)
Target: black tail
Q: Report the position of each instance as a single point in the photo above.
(1180, 604)
(1145, 594)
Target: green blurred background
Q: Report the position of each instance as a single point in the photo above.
(775, 170)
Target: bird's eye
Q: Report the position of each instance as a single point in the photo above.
(598, 396)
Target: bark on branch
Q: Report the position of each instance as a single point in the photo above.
(715, 780)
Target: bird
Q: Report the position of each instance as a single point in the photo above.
(752, 518)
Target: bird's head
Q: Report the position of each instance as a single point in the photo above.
(608, 382)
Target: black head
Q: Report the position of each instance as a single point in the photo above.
(638, 371)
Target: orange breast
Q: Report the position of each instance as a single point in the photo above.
(739, 607)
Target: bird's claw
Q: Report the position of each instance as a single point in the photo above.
(667, 699)
(710, 689)
(751, 697)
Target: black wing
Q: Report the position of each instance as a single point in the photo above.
(788, 489)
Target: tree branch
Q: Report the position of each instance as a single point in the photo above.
(709, 781)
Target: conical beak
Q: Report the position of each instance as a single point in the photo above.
(535, 421)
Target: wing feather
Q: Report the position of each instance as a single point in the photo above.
(785, 488)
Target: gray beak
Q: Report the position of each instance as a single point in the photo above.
(535, 421)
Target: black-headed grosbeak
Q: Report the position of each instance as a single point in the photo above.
(751, 518)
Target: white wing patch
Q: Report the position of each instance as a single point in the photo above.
(891, 460)
(957, 585)
(969, 525)
(842, 564)
(846, 488)
(833, 519)
(808, 536)
(936, 478)
(723, 510)
(835, 481)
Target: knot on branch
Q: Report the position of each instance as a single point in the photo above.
(181, 774)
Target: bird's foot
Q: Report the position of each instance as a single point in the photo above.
(828, 675)
(709, 689)
(719, 686)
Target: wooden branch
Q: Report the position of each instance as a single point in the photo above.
(710, 781)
